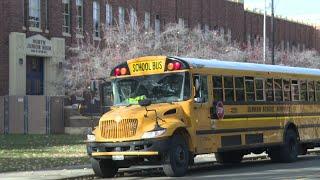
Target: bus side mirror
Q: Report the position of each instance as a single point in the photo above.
(145, 102)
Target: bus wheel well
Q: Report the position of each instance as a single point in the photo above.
(291, 126)
(183, 132)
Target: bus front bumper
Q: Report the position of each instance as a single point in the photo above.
(150, 147)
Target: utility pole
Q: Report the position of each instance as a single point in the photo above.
(264, 31)
(272, 31)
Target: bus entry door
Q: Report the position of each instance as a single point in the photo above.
(201, 114)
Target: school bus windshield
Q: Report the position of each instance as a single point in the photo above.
(159, 88)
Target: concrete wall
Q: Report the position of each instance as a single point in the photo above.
(17, 73)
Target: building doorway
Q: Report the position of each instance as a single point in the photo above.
(34, 75)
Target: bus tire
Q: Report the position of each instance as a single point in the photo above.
(105, 168)
(274, 154)
(231, 157)
(290, 150)
(176, 160)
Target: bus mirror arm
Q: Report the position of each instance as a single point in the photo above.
(145, 103)
(157, 126)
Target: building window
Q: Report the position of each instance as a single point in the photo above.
(181, 22)
(108, 15)
(79, 4)
(34, 13)
(66, 16)
(47, 15)
(133, 19)
(96, 18)
(157, 25)
(121, 18)
(146, 20)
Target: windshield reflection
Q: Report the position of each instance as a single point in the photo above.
(160, 88)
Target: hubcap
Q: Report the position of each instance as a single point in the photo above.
(180, 155)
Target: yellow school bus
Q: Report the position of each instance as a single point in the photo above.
(167, 110)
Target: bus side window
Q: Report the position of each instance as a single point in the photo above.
(318, 91)
(250, 95)
(278, 89)
(286, 90)
(269, 89)
(311, 91)
(303, 90)
(228, 89)
(260, 96)
(239, 89)
(201, 86)
(217, 88)
(295, 90)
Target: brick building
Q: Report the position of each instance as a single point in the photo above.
(35, 34)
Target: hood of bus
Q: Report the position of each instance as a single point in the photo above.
(130, 123)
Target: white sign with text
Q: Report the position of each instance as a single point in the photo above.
(38, 45)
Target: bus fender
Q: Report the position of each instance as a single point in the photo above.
(184, 132)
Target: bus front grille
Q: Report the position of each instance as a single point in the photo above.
(110, 129)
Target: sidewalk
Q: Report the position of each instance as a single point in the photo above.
(81, 172)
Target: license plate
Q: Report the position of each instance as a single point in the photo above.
(118, 157)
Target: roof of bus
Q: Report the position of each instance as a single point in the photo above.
(214, 63)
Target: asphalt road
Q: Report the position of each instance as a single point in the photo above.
(307, 167)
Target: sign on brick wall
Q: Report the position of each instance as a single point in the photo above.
(38, 45)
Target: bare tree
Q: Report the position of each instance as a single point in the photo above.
(95, 59)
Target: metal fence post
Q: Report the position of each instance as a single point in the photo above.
(6, 115)
(26, 114)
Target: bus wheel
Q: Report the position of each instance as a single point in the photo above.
(231, 157)
(289, 152)
(104, 168)
(176, 160)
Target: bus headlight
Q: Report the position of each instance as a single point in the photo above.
(91, 137)
(153, 134)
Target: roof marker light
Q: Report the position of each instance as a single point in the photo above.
(117, 72)
(123, 71)
(170, 66)
(177, 66)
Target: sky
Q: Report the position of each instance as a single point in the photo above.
(301, 10)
